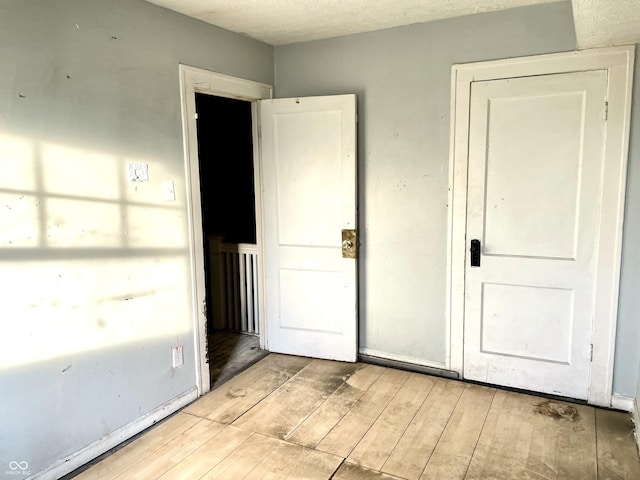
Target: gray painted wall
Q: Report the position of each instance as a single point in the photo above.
(95, 269)
(402, 78)
(627, 359)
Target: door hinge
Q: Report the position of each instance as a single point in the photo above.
(591, 355)
(196, 116)
(606, 111)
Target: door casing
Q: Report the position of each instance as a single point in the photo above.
(618, 62)
(194, 80)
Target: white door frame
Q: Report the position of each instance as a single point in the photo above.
(618, 62)
(195, 80)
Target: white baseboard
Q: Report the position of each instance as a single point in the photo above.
(401, 358)
(622, 402)
(635, 415)
(88, 453)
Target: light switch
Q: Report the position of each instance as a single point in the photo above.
(168, 190)
(177, 357)
(139, 172)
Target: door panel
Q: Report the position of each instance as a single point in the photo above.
(544, 135)
(309, 172)
(536, 150)
(547, 310)
(308, 149)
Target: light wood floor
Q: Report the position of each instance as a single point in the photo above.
(297, 418)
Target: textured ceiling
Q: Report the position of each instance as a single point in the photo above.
(278, 22)
(606, 22)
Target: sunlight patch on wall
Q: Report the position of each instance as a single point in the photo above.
(19, 220)
(70, 171)
(63, 308)
(79, 223)
(88, 260)
(17, 164)
(159, 228)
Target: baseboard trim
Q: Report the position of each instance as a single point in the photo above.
(88, 453)
(405, 363)
(635, 416)
(622, 402)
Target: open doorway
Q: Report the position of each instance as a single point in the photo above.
(227, 188)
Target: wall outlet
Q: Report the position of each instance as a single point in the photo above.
(178, 358)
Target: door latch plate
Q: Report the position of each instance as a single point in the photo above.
(349, 244)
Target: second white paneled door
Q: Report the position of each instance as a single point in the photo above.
(536, 159)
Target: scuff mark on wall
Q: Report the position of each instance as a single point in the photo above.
(130, 296)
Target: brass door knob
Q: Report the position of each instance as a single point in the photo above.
(349, 244)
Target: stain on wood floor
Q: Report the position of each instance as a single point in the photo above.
(297, 418)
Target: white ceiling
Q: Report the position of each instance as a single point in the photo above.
(606, 22)
(278, 22)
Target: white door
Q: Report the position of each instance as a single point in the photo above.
(309, 197)
(536, 150)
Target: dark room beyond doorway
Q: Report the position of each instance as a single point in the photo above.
(225, 150)
(227, 186)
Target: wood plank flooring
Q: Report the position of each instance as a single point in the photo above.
(297, 418)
